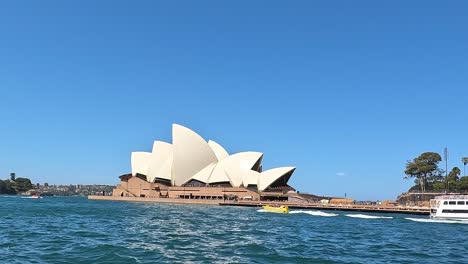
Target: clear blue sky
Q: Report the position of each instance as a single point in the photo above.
(346, 91)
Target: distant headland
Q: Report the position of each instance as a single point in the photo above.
(23, 186)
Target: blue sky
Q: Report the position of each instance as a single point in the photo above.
(346, 91)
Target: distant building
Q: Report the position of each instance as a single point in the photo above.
(341, 201)
(192, 168)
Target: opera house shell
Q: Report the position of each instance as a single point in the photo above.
(204, 166)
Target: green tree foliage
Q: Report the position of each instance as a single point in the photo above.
(14, 187)
(462, 184)
(454, 175)
(424, 168)
(22, 185)
(6, 187)
(437, 183)
(438, 186)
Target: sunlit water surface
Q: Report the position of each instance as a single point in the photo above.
(77, 230)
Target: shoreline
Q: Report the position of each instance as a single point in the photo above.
(315, 206)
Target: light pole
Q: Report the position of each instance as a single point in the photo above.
(446, 169)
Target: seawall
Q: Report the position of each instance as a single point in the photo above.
(316, 206)
(152, 200)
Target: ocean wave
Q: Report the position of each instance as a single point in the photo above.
(314, 213)
(363, 216)
(426, 220)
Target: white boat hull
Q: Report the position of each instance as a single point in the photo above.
(450, 207)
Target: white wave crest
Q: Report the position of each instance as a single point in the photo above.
(426, 220)
(314, 213)
(261, 210)
(363, 216)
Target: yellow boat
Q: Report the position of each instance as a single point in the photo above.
(276, 209)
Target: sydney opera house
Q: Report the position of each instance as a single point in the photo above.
(193, 168)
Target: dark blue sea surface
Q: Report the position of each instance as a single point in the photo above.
(77, 230)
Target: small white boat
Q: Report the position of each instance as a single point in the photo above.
(34, 196)
(450, 207)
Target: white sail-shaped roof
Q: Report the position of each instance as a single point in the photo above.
(219, 174)
(219, 151)
(250, 178)
(160, 165)
(140, 163)
(166, 170)
(190, 157)
(270, 176)
(191, 154)
(234, 167)
(204, 175)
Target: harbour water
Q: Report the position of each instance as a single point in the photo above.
(77, 230)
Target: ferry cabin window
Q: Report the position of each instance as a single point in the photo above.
(452, 202)
(461, 203)
(445, 202)
(451, 211)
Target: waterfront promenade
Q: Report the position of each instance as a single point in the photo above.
(415, 210)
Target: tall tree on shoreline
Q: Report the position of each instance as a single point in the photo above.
(6, 187)
(423, 167)
(22, 185)
(454, 175)
(462, 184)
(453, 178)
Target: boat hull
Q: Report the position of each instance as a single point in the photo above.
(449, 207)
(276, 209)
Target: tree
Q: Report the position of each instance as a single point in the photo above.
(6, 187)
(453, 178)
(23, 184)
(424, 167)
(463, 184)
(438, 186)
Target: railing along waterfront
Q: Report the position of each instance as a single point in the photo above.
(343, 207)
(452, 197)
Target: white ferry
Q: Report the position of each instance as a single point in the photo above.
(450, 207)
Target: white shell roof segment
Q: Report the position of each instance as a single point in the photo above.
(219, 151)
(204, 174)
(166, 170)
(268, 177)
(234, 167)
(160, 157)
(191, 154)
(250, 178)
(140, 162)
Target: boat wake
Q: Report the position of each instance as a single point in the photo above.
(314, 213)
(363, 216)
(425, 220)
